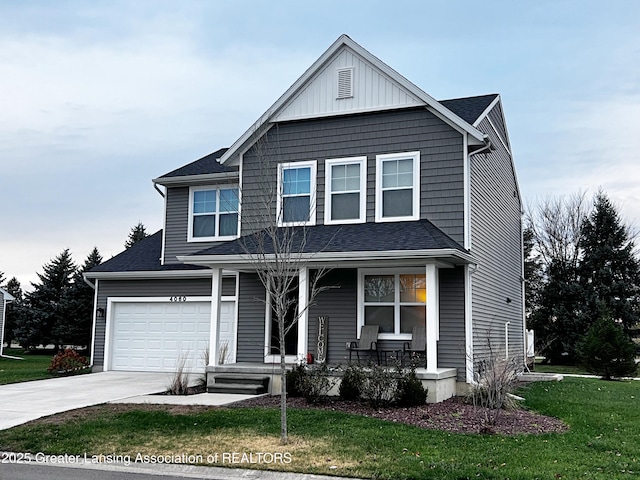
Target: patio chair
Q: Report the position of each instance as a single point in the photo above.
(368, 342)
(418, 343)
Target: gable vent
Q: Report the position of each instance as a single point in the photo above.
(345, 82)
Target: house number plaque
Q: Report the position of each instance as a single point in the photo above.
(178, 298)
(321, 347)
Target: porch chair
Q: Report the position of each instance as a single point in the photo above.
(418, 343)
(368, 342)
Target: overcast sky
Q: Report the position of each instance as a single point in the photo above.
(99, 97)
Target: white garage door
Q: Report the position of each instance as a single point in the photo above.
(154, 336)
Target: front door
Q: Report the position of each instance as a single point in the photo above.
(291, 330)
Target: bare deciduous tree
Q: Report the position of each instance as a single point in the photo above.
(278, 249)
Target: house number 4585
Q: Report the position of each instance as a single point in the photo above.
(179, 298)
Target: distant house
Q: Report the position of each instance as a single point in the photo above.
(418, 197)
(5, 298)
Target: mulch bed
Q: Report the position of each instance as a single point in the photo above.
(452, 415)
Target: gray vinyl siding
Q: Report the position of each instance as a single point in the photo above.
(340, 305)
(441, 147)
(200, 287)
(496, 117)
(177, 225)
(451, 346)
(497, 245)
(251, 319)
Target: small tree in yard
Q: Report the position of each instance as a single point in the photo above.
(276, 243)
(606, 350)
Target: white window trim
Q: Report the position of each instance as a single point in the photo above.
(362, 162)
(312, 194)
(386, 271)
(415, 156)
(190, 237)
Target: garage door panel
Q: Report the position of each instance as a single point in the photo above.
(152, 336)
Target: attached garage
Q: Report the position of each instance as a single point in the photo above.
(153, 336)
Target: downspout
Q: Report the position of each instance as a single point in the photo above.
(506, 340)
(155, 185)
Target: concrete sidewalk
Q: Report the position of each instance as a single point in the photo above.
(26, 401)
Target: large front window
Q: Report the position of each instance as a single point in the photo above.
(345, 187)
(397, 187)
(396, 302)
(213, 213)
(297, 189)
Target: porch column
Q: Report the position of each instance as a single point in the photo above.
(216, 293)
(303, 309)
(433, 317)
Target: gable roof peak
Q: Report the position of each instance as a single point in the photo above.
(284, 109)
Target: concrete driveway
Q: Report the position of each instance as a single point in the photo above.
(22, 402)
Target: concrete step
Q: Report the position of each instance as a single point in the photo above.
(242, 379)
(241, 388)
(242, 384)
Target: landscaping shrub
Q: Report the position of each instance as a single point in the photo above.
(317, 382)
(606, 350)
(352, 383)
(180, 381)
(410, 391)
(296, 379)
(380, 386)
(67, 361)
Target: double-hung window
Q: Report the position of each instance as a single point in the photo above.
(395, 301)
(345, 190)
(213, 213)
(297, 193)
(398, 187)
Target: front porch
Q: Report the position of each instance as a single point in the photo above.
(441, 384)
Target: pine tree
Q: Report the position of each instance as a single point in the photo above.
(1, 278)
(606, 350)
(609, 270)
(532, 272)
(75, 328)
(137, 233)
(47, 304)
(14, 309)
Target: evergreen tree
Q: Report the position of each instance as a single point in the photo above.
(532, 272)
(606, 350)
(47, 304)
(137, 233)
(609, 271)
(14, 309)
(75, 328)
(1, 278)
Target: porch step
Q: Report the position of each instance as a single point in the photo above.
(242, 384)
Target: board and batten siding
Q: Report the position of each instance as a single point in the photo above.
(496, 242)
(251, 319)
(191, 287)
(416, 129)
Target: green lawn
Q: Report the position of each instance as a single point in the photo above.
(602, 443)
(31, 367)
(571, 369)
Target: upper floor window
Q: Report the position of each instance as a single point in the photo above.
(345, 190)
(398, 187)
(297, 187)
(213, 213)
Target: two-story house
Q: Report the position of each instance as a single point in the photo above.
(412, 203)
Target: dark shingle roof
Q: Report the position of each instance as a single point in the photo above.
(143, 256)
(204, 165)
(469, 108)
(363, 237)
